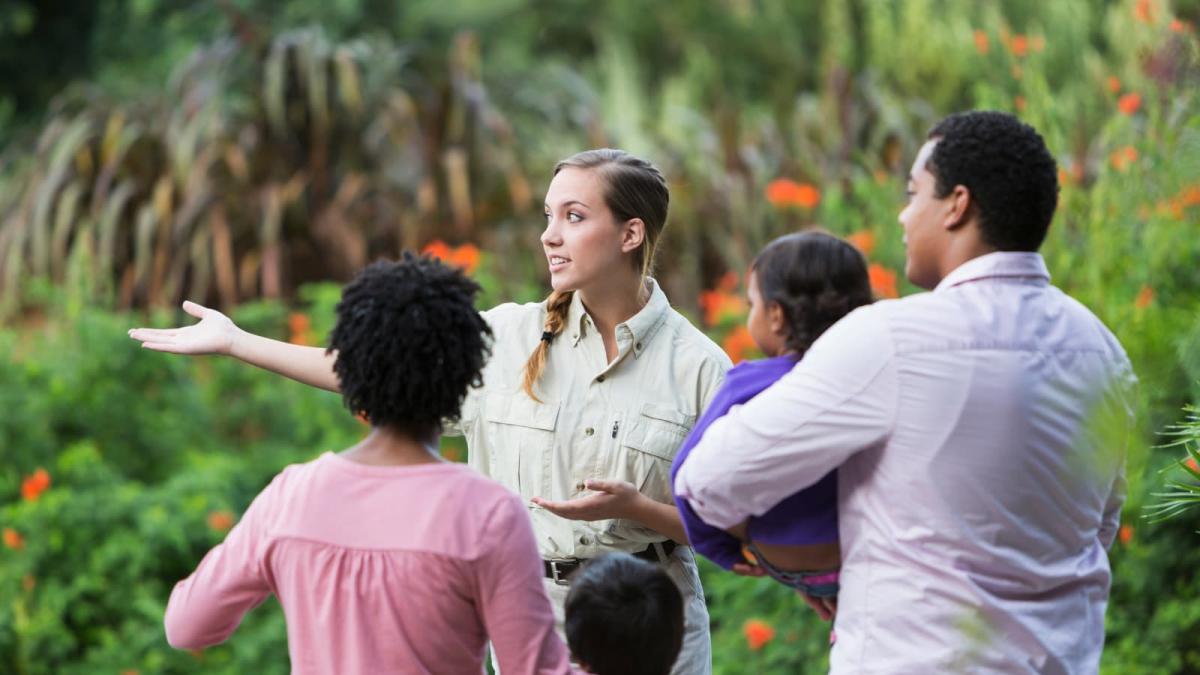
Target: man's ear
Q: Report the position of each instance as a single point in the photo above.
(633, 235)
(961, 206)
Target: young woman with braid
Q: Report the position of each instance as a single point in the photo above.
(588, 395)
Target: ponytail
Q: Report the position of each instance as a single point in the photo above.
(558, 305)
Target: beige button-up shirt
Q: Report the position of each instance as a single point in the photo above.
(622, 420)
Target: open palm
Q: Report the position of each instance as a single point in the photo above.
(214, 334)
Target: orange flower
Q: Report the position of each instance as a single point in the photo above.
(13, 539)
(758, 633)
(783, 192)
(34, 485)
(883, 281)
(1129, 103)
(863, 240)
(738, 344)
(1114, 85)
(1019, 103)
(1191, 464)
(298, 324)
(728, 282)
(1178, 26)
(1123, 157)
(719, 305)
(466, 257)
(981, 42)
(1125, 534)
(1064, 178)
(1143, 10)
(220, 520)
(1145, 297)
(1190, 196)
(437, 249)
(1018, 45)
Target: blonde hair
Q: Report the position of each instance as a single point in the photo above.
(633, 188)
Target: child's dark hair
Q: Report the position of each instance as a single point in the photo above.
(624, 616)
(409, 343)
(816, 278)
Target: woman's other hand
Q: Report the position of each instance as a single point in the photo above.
(214, 334)
(612, 499)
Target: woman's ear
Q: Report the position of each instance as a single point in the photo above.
(632, 235)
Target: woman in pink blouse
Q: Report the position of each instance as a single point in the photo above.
(385, 558)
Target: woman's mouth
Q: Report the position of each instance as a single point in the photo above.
(557, 262)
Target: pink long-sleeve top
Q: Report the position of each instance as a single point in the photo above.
(404, 569)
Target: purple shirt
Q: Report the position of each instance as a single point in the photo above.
(806, 517)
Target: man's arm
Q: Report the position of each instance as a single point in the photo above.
(840, 399)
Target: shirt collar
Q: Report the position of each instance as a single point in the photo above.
(641, 326)
(1001, 264)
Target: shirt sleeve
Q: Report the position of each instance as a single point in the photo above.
(207, 607)
(512, 599)
(840, 399)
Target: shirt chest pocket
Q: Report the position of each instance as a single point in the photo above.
(521, 442)
(650, 442)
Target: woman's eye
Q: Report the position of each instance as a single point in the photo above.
(546, 215)
(573, 217)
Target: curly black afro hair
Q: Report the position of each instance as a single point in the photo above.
(1010, 173)
(816, 278)
(409, 344)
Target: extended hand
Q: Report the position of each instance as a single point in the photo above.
(613, 499)
(213, 335)
(826, 608)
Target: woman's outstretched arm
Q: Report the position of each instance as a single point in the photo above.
(217, 334)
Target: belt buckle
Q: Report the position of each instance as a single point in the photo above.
(556, 574)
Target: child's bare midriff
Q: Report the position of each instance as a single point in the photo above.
(795, 558)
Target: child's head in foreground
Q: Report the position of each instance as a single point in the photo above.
(624, 616)
(799, 286)
(409, 344)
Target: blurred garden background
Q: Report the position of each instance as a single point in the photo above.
(253, 154)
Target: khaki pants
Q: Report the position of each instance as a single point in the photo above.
(695, 657)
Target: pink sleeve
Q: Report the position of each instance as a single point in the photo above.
(205, 608)
(512, 600)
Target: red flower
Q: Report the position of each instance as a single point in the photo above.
(758, 633)
(13, 539)
(465, 257)
(738, 344)
(1125, 534)
(720, 305)
(1129, 103)
(1123, 157)
(1114, 85)
(298, 324)
(981, 42)
(783, 192)
(1143, 10)
(883, 281)
(863, 240)
(1145, 297)
(220, 520)
(1018, 45)
(34, 485)
(1019, 103)
(437, 249)
(1191, 464)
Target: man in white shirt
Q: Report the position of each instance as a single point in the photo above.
(978, 430)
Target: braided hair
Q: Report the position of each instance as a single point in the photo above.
(633, 188)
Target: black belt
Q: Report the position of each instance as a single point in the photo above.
(560, 571)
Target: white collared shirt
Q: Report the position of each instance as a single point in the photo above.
(623, 420)
(980, 478)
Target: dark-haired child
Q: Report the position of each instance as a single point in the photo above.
(799, 286)
(384, 557)
(624, 616)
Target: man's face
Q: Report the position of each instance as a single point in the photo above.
(924, 220)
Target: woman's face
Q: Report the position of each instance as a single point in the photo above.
(765, 322)
(583, 242)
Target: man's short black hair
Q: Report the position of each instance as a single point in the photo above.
(624, 616)
(1010, 173)
(409, 344)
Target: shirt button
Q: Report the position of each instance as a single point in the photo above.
(585, 540)
(600, 379)
(589, 431)
(638, 346)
